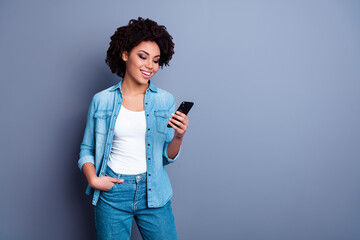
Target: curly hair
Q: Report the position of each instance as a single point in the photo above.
(127, 37)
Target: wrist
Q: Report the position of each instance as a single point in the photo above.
(178, 138)
(92, 181)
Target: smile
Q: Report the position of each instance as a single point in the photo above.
(146, 73)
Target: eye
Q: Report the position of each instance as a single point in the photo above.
(142, 57)
(157, 61)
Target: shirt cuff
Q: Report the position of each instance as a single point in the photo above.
(165, 153)
(84, 160)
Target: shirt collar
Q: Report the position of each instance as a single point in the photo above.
(152, 86)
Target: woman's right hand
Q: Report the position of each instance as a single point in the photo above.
(104, 183)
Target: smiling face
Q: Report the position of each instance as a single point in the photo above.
(142, 63)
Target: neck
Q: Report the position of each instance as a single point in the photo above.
(132, 88)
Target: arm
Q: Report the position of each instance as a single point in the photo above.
(182, 123)
(174, 147)
(86, 163)
(89, 171)
(87, 148)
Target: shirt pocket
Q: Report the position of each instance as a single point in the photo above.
(162, 118)
(102, 121)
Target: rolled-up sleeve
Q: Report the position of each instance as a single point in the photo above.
(87, 148)
(169, 137)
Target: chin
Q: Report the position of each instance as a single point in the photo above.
(143, 81)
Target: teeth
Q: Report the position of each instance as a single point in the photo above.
(145, 73)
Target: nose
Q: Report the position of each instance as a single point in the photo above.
(149, 64)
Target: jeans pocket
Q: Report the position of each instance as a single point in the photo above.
(114, 184)
(112, 188)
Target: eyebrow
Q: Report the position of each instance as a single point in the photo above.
(148, 53)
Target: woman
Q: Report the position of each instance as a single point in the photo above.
(127, 142)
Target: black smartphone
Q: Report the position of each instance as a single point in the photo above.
(184, 108)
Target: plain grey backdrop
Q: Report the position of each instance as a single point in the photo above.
(273, 147)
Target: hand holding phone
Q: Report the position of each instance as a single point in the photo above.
(184, 108)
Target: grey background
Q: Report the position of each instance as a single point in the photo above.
(272, 151)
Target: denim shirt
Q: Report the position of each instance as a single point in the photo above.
(99, 131)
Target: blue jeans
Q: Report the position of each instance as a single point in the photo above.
(116, 208)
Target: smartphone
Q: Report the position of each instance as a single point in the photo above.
(184, 108)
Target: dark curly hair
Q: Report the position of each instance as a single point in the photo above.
(127, 37)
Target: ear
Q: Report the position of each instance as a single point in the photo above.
(124, 56)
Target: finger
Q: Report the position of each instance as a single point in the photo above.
(181, 114)
(186, 121)
(174, 126)
(176, 122)
(117, 180)
(184, 117)
(178, 117)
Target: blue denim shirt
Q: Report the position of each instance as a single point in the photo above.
(99, 132)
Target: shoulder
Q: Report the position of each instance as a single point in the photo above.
(104, 99)
(164, 98)
(165, 95)
(104, 94)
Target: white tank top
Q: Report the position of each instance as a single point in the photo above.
(128, 150)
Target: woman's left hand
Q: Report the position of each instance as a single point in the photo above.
(179, 122)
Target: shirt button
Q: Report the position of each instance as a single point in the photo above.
(118, 102)
(146, 103)
(149, 189)
(115, 115)
(108, 143)
(149, 144)
(148, 129)
(111, 129)
(149, 174)
(148, 158)
(147, 114)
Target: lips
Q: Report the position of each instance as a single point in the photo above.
(146, 74)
